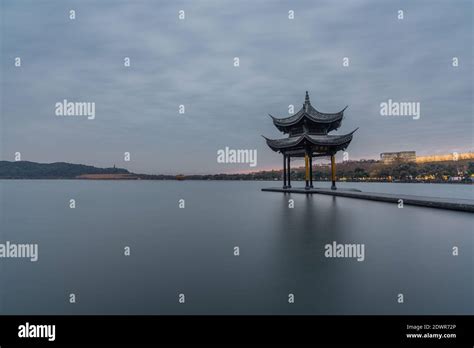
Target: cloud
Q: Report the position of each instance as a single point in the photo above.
(190, 62)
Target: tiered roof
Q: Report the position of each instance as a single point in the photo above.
(309, 128)
(308, 114)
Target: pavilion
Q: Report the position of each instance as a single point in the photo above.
(308, 137)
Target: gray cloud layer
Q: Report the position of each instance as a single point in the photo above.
(190, 62)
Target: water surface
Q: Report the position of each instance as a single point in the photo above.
(191, 250)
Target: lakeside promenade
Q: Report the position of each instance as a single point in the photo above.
(466, 205)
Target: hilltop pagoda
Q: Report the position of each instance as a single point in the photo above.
(308, 137)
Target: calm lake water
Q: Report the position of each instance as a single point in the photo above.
(191, 250)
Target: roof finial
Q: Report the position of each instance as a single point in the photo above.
(306, 99)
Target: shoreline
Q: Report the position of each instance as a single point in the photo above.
(252, 180)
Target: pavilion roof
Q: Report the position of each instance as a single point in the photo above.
(314, 139)
(310, 113)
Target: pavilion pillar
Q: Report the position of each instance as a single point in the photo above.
(311, 171)
(289, 171)
(306, 172)
(284, 171)
(333, 172)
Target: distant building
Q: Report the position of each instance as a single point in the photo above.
(447, 157)
(410, 156)
(403, 156)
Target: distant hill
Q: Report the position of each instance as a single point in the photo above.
(58, 170)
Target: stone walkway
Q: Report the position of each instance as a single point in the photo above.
(423, 201)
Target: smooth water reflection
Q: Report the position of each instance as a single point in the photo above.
(190, 251)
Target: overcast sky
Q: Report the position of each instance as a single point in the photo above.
(190, 62)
